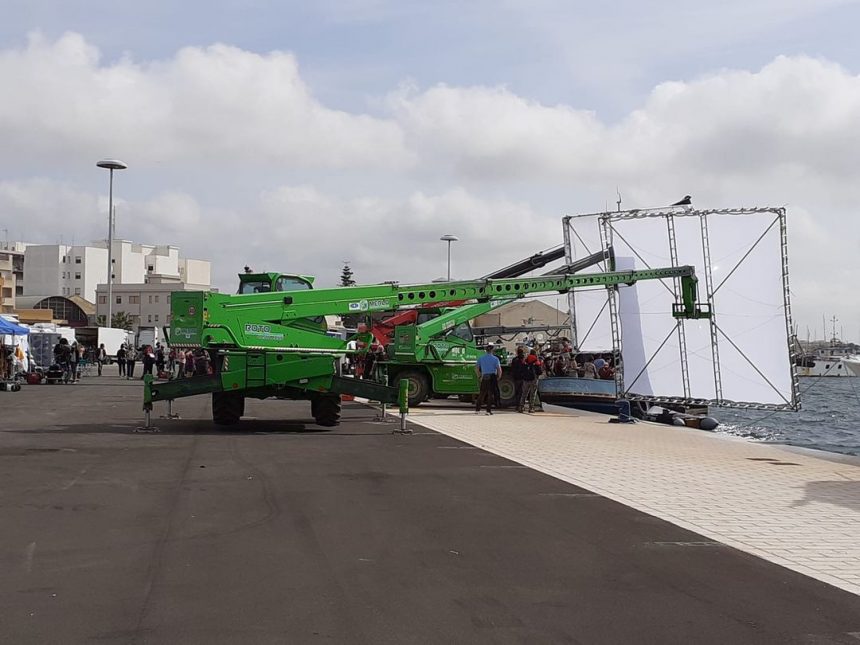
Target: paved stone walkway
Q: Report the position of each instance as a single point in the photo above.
(789, 506)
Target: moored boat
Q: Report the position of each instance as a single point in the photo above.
(599, 395)
(852, 364)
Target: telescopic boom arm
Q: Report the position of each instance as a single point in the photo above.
(262, 319)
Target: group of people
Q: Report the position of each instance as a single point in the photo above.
(166, 362)
(71, 357)
(525, 371)
(528, 365)
(563, 362)
(162, 361)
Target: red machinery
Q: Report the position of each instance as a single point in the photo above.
(383, 330)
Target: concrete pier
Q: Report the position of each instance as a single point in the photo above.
(798, 508)
(278, 532)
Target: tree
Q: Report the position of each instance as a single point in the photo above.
(346, 275)
(350, 321)
(119, 320)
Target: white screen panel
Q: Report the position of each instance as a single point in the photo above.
(749, 306)
(746, 253)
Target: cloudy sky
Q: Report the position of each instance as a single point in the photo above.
(294, 136)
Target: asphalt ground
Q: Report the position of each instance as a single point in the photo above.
(280, 532)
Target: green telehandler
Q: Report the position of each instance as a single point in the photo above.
(264, 342)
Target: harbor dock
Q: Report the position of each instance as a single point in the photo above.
(547, 528)
(795, 507)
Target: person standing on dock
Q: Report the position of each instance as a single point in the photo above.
(533, 370)
(489, 370)
(101, 357)
(130, 359)
(120, 359)
(519, 373)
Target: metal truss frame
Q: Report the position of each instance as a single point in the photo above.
(608, 232)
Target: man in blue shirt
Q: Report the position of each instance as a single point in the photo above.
(486, 368)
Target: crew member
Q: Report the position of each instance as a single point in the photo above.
(518, 372)
(489, 370)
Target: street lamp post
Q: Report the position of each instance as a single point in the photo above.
(110, 164)
(449, 239)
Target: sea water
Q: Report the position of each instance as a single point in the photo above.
(829, 418)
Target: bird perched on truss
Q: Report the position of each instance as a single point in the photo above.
(684, 202)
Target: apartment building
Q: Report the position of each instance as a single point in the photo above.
(64, 270)
(148, 304)
(11, 275)
(61, 270)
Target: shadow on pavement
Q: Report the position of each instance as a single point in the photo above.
(839, 493)
(204, 427)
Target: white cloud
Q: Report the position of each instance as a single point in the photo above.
(294, 185)
(217, 103)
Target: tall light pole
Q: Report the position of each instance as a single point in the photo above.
(449, 239)
(110, 164)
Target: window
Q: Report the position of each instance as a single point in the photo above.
(102, 300)
(77, 259)
(150, 269)
(156, 317)
(64, 259)
(112, 276)
(77, 291)
(463, 330)
(134, 300)
(119, 300)
(77, 275)
(113, 260)
(149, 318)
(150, 299)
(156, 299)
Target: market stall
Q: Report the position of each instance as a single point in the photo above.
(11, 353)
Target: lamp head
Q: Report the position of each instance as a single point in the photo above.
(112, 164)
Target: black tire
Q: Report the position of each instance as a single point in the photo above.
(508, 391)
(227, 407)
(326, 410)
(419, 386)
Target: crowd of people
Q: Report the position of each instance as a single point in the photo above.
(531, 363)
(526, 368)
(167, 363)
(562, 361)
(72, 358)
(159, 361)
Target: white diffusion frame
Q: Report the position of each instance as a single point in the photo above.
(741, 356)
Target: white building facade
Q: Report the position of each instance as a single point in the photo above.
(147, 305)
(11, 275)
(62, 270)
(58, 269)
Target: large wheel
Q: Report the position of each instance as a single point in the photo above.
(227, 407)
(419, 386)
(326, 410)
(508, 390)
